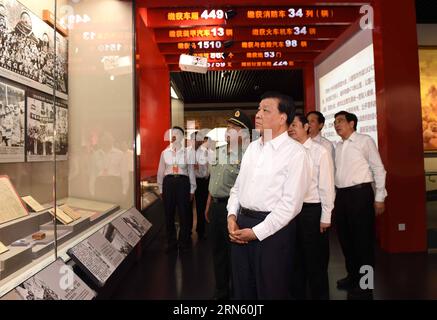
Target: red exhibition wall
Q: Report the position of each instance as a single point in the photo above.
(400, 125)
(153, 92)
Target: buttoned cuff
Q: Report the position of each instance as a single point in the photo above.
(260, 232)
(325, 218)
(380, 196)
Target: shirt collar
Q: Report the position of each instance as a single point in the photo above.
(307, 144)
(276, 142)
(352, 138)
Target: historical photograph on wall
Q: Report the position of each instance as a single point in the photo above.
(40, 128)
(55, 282)
(12, 99)
(428, 91)
(27, 50)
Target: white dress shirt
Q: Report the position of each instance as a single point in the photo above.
(202, 161)
(357, 161)
(274, 176)
(326, 143)
(322, 187)
(176, 161)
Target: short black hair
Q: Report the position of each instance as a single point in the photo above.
(320, 117)
(179, 128)
(349, 117)
(286, 104)
(301, 118)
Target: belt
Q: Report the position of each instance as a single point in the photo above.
(254, 213)
(220, 200)
(176, 175)
(357, 186)
(310, 205)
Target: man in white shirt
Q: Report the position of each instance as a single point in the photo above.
(267, 195)
(358, 166)
(177, 184)
(312, 223)
(316, 121)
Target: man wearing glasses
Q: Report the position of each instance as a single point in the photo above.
(358, 166)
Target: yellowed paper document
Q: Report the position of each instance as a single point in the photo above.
(11, 206)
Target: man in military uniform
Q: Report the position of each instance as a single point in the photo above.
(223, 173)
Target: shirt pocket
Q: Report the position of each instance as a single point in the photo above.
(230, 175)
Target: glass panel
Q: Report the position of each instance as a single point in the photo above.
(66, 128)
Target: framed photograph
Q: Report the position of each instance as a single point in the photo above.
(428, 93)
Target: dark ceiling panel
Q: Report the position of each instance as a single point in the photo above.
(426, 11)
(236, 85)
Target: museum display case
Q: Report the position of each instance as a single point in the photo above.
(67, 150)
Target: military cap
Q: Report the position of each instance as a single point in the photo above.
(239, 118)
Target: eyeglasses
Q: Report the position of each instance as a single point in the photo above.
(338, 121)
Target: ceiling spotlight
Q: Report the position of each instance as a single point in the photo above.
(229, 14)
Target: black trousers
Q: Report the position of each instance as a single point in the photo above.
(312, 256)
(221, 247)
(261, 269)
(355, 221)
(201, 196)
(176, 193)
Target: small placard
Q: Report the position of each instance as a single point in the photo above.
(32, 203)
(61, 216)
(70, 212)
(3, 248)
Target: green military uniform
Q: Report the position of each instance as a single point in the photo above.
(223, 173)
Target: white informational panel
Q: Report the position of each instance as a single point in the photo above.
(346, 81)
(97, 256)
(55, 282)
(101, 254)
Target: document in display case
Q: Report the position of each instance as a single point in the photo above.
(11, 207)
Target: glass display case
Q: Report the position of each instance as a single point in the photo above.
(67, 123)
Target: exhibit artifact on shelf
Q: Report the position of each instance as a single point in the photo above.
(34, 205)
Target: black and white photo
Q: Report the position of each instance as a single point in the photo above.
(116, 239)
(136, 221)
(48, 285)
(27, 50)
(12, 136)
(40, 144)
